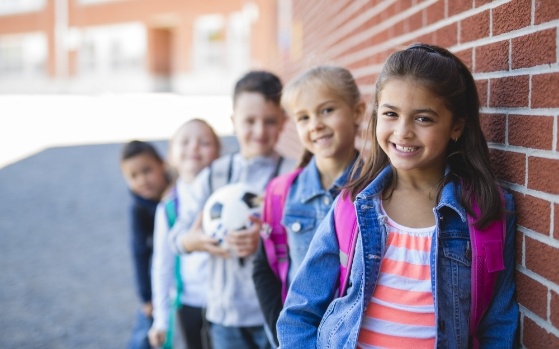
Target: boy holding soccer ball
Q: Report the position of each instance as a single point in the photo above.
(233, 309)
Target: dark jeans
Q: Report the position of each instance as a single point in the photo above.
(194, 327)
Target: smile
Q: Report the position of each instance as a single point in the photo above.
(322, 138)
(405, 149)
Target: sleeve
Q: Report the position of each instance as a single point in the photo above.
(268, 289)
(307, 302)
(163, 268)
(189, 210)
(142, 230)
(499, 327)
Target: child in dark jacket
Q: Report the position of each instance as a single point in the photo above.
(145, 174)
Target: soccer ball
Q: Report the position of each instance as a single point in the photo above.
(228, 209)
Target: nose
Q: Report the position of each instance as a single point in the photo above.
(403, 129)
(259, 129)
(316, 123)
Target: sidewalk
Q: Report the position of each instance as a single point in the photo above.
(66, 271)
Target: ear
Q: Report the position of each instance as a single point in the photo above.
(458, 128)
(359, 112)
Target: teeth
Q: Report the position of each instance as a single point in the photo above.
(405, 149)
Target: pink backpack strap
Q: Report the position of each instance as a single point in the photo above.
(487, 262)
(273, 233)
(345, 223)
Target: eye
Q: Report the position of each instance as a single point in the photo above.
(389, 113)
(271, 121)
(301, 118)
(327, 110)
(424, 119)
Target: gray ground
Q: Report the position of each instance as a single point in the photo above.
(66, 278)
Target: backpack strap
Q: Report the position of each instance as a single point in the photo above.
(345, 225)
(218, 176)
(171, 210)
(274, 236)
(487, 262)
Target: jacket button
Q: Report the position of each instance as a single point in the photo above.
(296, 226)
(326, 200)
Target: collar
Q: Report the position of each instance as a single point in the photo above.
(312, 187)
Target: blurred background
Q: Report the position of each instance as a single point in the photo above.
(80, 77)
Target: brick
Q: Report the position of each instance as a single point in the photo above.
(512, 16)
(478, 3)
(543, 174)
(475, 27)
(447, 36)
(435, 12)
(544, 95)
(508, 166)
(492, 57)
(531, 294)
(531, 131)
(542, 259)
(456, 7)
(511, 91)
(533, 213)
(414, 22)
(546, 10)
(535, 337)
(494, 127)
(556, 223)
(482, 89)
(534, 49)
(466, 57)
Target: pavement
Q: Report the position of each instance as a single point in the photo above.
(65, 266)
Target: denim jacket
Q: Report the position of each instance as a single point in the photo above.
(306, 205)
(314, 318)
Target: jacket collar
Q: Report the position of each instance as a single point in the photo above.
(312, 187)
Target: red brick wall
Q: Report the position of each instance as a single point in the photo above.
(512, 49)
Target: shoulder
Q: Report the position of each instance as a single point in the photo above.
(287, 165)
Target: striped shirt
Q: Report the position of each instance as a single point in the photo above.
(401, 312)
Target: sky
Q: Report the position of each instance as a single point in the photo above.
(32, 123)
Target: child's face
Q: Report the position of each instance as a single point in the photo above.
(193, 148)
(414, 127)
(326, 123)
(145, 176)
(257, 124)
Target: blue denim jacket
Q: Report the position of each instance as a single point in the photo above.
(314, 318)
(306, 205)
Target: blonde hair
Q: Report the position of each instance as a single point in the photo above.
(335, 79)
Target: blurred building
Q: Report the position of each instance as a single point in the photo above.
(94, 46)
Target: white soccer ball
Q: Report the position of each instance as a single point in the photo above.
(229, 209)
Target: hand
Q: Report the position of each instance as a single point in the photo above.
(156, 337)
(147, 309)
(245, 242)
(196, 240)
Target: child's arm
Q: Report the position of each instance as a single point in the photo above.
(499, 327)
(312, 290)
(268, 289)
(163, 268)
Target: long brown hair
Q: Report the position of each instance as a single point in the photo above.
(446, 76)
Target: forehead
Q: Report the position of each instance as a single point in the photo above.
(254, 103)
(138, 162)
(405, 92)
(193, 130)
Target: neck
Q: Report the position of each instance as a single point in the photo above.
(331, 169)
(418, 181)
(187, 177)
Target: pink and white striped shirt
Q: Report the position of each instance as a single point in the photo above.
(401, 312)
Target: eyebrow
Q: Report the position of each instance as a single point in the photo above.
(425, 110)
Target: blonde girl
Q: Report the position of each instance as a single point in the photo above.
(193, 146)
(326, 107)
